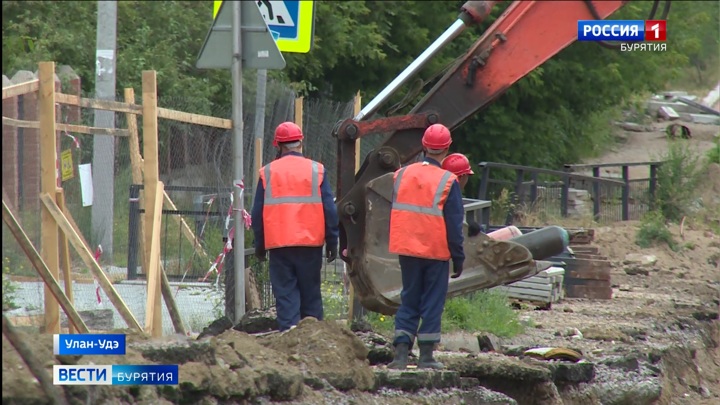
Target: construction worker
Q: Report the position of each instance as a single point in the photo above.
(296, 216)
(426, 232)
(459, 165)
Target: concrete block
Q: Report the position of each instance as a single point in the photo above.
(654, 105)
(704, 119)
(668, 113)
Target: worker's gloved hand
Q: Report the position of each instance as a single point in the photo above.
(261, 254)
(331, 253)
(457, 270)
(473, 229)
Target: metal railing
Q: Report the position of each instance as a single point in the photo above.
(549, 190)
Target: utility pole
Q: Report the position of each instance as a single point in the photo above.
(237, 116)
(260, 99)
(103, 164)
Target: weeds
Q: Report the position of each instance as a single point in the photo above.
(8, 288)
(486, 311)
(677, 181)
(713, 155)
(653, 230)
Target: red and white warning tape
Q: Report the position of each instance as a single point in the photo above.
(98, 253)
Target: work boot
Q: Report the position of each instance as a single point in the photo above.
(426, 357)
(400, 361)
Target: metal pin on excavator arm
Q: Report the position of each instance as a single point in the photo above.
(526, 35)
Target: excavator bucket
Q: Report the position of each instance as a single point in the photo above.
(376, 273)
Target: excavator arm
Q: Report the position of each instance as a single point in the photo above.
(526, 35)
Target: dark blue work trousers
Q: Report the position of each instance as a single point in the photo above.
(295, 279)
(425, 286)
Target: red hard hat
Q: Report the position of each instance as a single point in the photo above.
(437, 137)
(458, 164)
(287, 132)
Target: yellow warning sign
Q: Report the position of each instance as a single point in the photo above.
(66, 165)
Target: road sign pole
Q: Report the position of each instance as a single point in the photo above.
(237, 116)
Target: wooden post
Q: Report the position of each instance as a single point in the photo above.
(80, 247)
(65, 301)
(48, 184)
(299, 111)
(353, 303)
(153, 309)
(152, 175)
(65, 261)
(136, 163)
(150, 151)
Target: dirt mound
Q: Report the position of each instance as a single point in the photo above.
(329, 352)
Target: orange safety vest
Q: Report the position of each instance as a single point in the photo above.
(293, 212)
(417, 224)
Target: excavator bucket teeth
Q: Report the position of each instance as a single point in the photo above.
(375, 272)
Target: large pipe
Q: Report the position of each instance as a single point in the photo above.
(473, 12)
(444, 39)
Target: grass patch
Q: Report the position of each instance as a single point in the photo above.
(677, 180)
(483, 311)
(654, 231)
(713, 155)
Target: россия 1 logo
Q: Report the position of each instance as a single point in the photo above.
(634, 35)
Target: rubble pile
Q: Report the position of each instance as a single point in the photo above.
(681, 106)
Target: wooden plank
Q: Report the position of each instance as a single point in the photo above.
(65, 260)
(89, 260)
(526, 297)
(590, 274)
(299, 111)
(153, 309)
(587, 263)
(171, 304)
(588, 282)
(150, 151)
(524, 291)
(42, 269)
(589, 256)
(107, 105)
(532, 286)
(79, 129)
(136, 162)
(354, 306)
(21, 88)
(48, 183)
(582, 291)
(190, 118)
(586, 249)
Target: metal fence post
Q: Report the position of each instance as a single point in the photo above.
(596, 193)
(626, 193)
(653, 185)
(533, 188)
(133, 231)
(482, 194)
(564, 195)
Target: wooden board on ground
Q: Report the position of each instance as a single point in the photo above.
(589, 274)
(583, 291)
(586, 249)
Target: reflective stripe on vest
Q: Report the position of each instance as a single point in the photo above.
(293, 213)
(417, 223)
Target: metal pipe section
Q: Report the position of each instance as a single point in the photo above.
(451, 33)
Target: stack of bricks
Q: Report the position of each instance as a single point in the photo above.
(587, 274)
(21, 146)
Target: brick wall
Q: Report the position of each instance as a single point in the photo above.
(21, 146)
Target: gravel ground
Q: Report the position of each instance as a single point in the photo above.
(196, 302)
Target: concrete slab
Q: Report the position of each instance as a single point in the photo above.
(668, 113)
(654, 105)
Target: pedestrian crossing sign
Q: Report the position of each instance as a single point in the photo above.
(291, 23)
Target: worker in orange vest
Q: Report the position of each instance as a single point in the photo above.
(296, 216)
(426, 232)
(459, 165)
